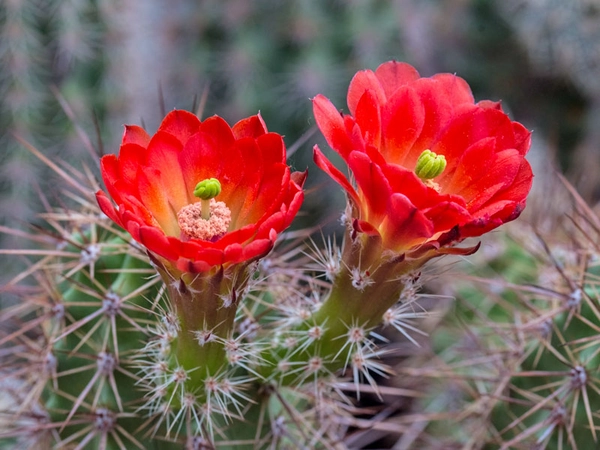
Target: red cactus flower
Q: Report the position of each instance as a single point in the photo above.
(153, 179)
(430, 164)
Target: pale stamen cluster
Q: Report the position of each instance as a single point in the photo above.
(194, 226)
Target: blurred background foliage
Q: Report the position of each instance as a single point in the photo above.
(126, 61)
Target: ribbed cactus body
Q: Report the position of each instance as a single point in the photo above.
(117, 368)
(520, 366)
(102, 329)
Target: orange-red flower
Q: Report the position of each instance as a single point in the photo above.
(395, 116)
(153, 178)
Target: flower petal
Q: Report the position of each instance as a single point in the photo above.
(440, 95)
(240, 196)
(272, 149)
(472, 165)
(154, 240)
(163, 155)
(252, 127)
(468, 128)
(155, 198)
(332, 125)
(217, 130)
(404, 225)
(109, 166)
(373, 185)
(135, 135)
(403, 118)
(393, 74)
(364, 81)
(368, 118)
(107, 207)
(515, 194)
(325, 165)
(181, 124)
(446, 215)
(453, 89)
(131, 157)
(522, 138)
(270, 193)
(500, 173)
(257, 249)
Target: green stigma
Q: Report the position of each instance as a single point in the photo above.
(429, 165)
(207, 189)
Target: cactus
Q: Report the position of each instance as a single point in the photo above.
(516, 365)
(170, 316)
(90, 359)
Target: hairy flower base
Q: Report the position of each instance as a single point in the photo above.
(369, 281)
(204, 305)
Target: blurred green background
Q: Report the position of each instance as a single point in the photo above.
(125, 61)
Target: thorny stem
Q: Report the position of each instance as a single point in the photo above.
(346, 306)
(366, 286)
(198, 302)
(199, 307)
